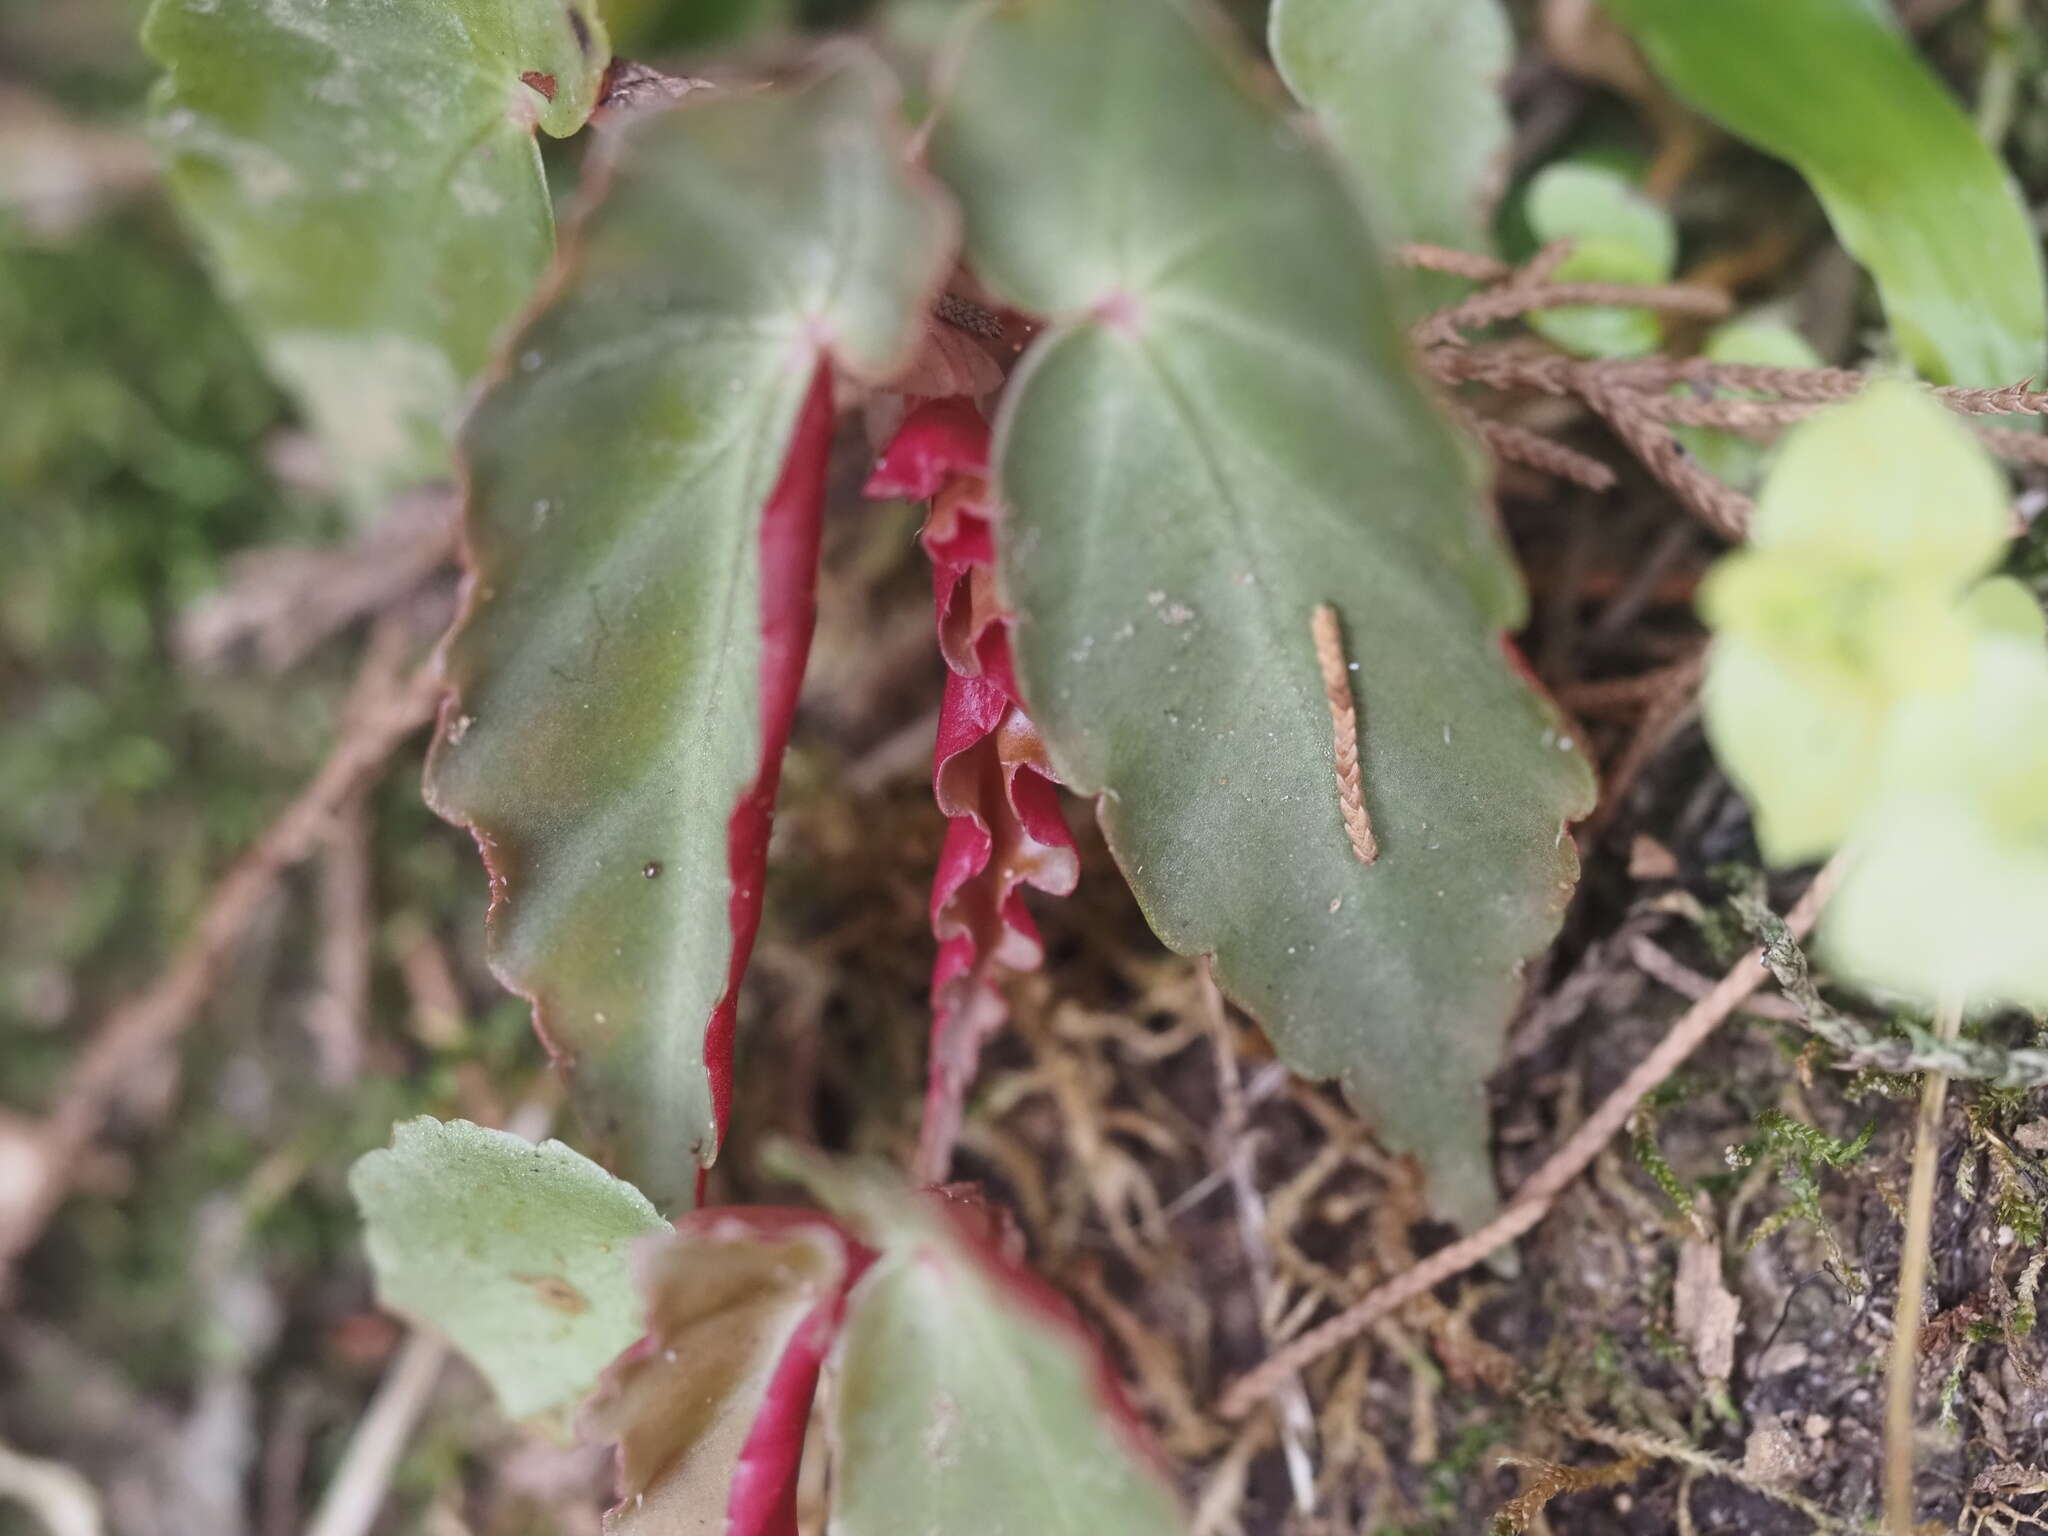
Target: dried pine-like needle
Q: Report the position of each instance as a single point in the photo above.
(1549, 1480)
(1329, 638)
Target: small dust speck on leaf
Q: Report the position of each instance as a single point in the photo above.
(554, 1292)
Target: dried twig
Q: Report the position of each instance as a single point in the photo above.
(1617, 695)
(1329, 639)
(1234, 1147)
(2014, 444)
(283, 600)
(1634, 395)
(1722, 508)
(1442, 258)
(1515, 299)
(335, 1016)
(58, 1496)
(1664, 712)
(1902, 1374)
(384, 708)
(1518, 445)
(1533, 1200)
(1688, 983)
(356, 1492)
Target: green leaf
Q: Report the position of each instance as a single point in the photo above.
(364, 177)
(518, 1253)
(649, 27)
(1948, 874)
(1219, 431)
(644, 483)
(1868, 692)
(1834, 87)
(969, 1400)
(1618, 236)
(1876, 517)
(1410, 96)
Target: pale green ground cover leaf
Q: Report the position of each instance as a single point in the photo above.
(518, 1253)
(968, 1399)
(1618, 236)
(1219, 431)
(364, 178)
(1410, 97)
(610, 669)
(1869, 690)
(1876, 518)
(1947, 891)
(1835, 87)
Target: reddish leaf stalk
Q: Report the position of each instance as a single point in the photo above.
(648, 1401)
(789, 612)
(990, 772)
(764, 1483)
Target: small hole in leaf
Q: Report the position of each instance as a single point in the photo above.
(652, 869)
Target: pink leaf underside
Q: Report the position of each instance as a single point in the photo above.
(710, 1408)
(990, 773)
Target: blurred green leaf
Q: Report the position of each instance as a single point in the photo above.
(1876, 517)
(1949, 870)
(364, 178)
(1618, 236)
(641, 27)
(969, 1399)
(518, 1253)
(627, 665)
(1220, 431)
(1867, 690)
(1835, 87)
(1410, 96)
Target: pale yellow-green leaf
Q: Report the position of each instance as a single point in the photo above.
(1947, 891)
(1873, 521)
(1869, 691)
(518, 1253)
(1890, 482)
